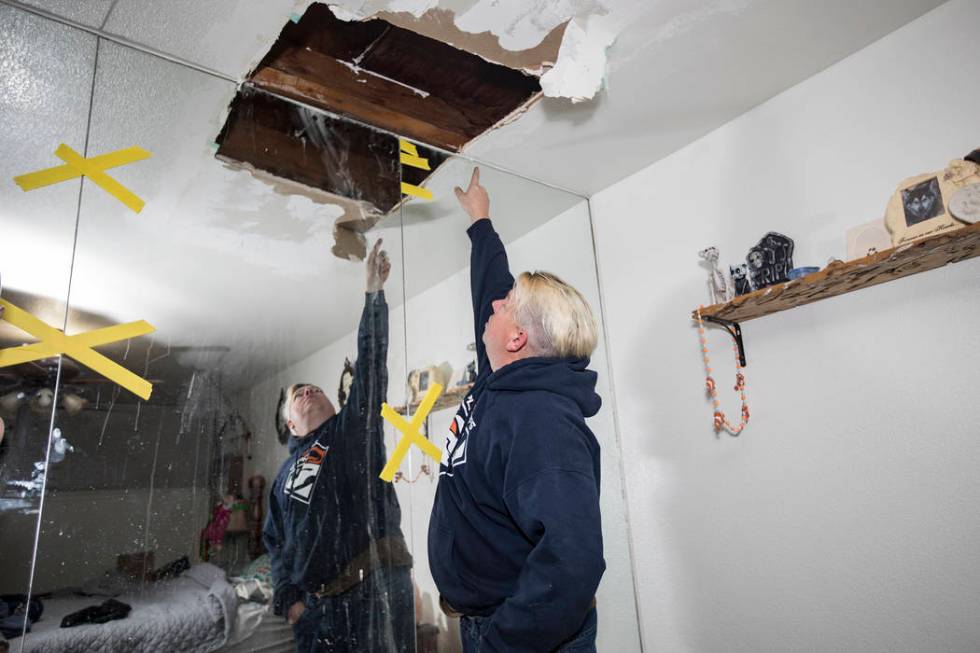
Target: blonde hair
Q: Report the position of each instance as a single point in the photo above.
(558, 320)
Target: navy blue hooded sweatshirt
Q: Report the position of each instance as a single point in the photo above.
(515, 533)
(327, 504)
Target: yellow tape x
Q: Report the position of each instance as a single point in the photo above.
(411, 431)
(53, 342)
(76, 165)
(410, 157)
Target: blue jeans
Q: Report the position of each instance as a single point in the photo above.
(376, 615)
(472, 629)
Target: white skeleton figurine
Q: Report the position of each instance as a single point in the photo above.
(719, 285)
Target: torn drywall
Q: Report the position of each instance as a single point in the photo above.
(440, 24)
(357, 217)
(580, 70)
(523, 25)
(520, 35)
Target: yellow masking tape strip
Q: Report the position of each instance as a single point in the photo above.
(59, 174)
(54, 342)
(407, 147)
(107, 183)
(417, 191)
(411, 431)
(415, 161)
(105, 335)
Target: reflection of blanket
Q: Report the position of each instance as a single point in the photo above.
(195, 612)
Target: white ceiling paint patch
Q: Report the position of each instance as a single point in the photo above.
(414, 7)
(362, 10)
(522, 25)
(580, 70)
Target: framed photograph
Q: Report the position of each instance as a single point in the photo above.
(920, 206)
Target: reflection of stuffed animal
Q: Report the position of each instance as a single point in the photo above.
(719, 287)
(740, 278)
(215, 530)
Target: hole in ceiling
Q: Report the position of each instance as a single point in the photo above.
(287, 118)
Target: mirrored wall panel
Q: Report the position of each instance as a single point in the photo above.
(223, 313)
(45, 84)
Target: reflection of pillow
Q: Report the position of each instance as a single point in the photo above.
(259, 569)
(205, 573)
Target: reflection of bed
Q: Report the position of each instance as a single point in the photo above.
(196, 612)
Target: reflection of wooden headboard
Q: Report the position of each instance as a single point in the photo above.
(256, 515)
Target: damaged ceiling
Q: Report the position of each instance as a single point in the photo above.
(217, 258)
(292, 116)
(667, 72)
(391, 78)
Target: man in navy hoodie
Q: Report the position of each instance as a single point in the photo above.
(341, 569)
(515, 540)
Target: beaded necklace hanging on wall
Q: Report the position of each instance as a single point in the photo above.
(720, 421)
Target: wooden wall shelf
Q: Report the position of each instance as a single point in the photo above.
(836, 279)
(448, 399)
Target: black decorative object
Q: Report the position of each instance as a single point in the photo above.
(346, 381)
(740, 278)
(281, 429)
(770, 261)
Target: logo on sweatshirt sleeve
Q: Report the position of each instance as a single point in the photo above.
(301, 480)
(454, 448)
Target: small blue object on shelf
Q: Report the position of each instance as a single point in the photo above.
(796, 273)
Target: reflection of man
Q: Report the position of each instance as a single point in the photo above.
(515, 541)
(341, 569)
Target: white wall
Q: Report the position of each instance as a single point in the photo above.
(439, 326)
(844, 517)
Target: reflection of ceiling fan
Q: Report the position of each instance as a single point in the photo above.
(33, 383)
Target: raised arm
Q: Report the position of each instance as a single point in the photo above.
(490, 277)
(370, 384)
